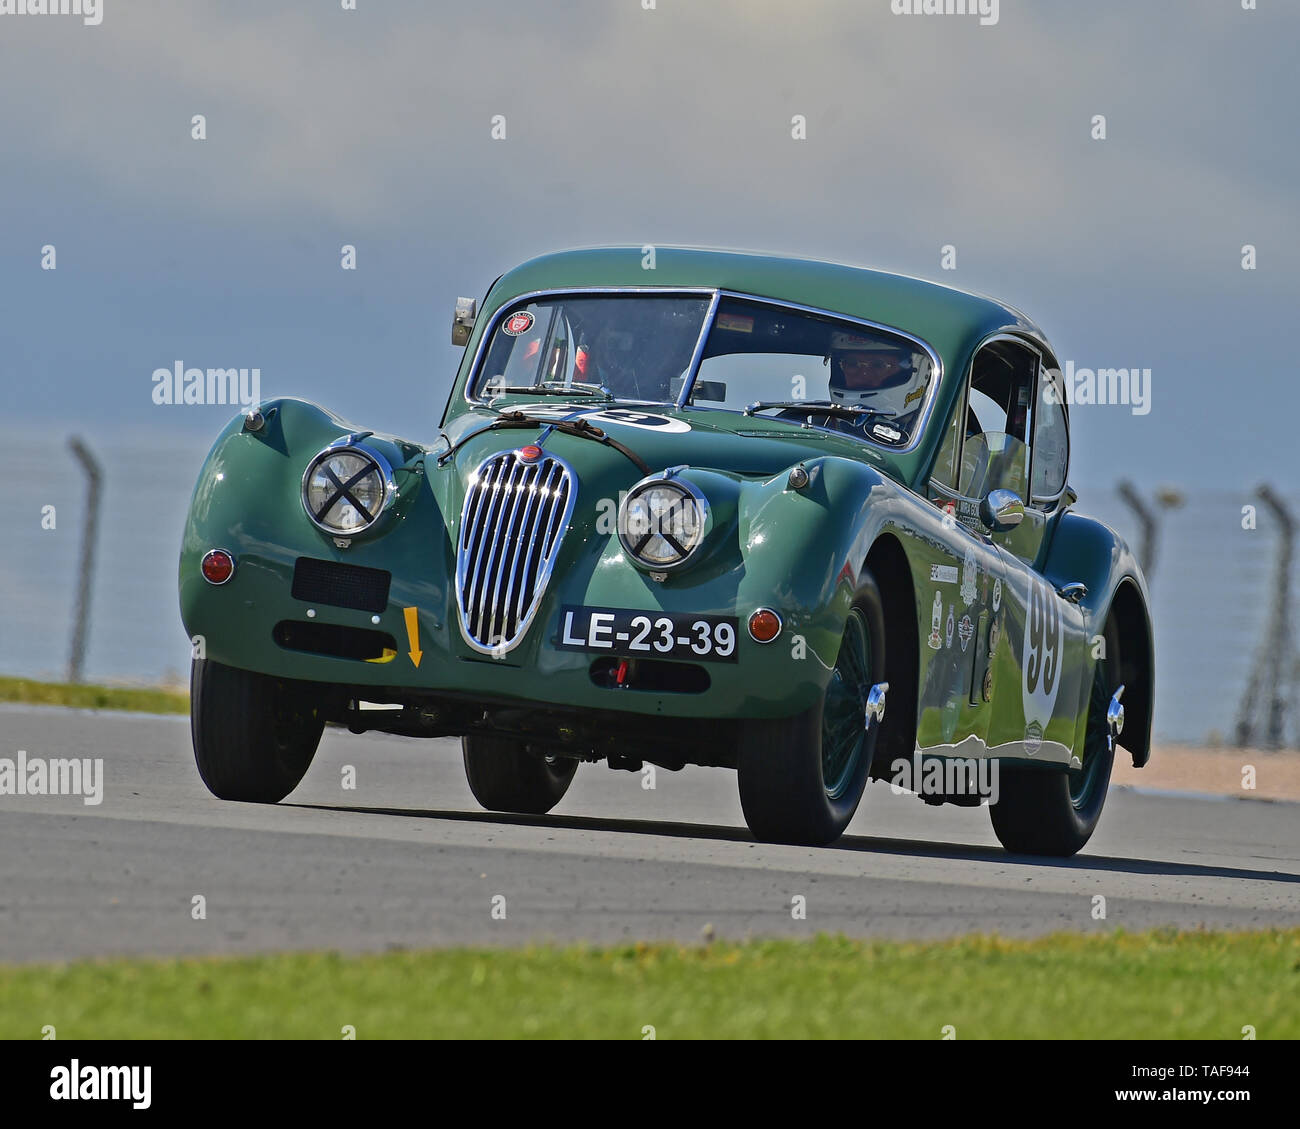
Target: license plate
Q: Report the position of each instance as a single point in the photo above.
(656, 635)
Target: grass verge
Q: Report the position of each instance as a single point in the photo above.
(1161, 984)
(86, 697)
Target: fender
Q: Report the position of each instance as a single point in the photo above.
(1086, 550)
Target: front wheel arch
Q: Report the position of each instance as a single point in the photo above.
(887, 564)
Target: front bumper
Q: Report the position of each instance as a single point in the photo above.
(247, 501)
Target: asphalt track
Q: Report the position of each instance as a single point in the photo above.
(409, 860)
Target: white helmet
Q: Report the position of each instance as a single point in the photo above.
(886, 373)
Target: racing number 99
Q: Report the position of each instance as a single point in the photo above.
(1043, 628)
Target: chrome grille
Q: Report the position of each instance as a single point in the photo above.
(511, 527)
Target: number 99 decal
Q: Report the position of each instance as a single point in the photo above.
(1041, 659)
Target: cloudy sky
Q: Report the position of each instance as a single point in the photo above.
(373, 127)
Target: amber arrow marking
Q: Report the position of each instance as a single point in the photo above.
(413, 634)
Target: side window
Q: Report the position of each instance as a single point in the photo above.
(995, 455)
(1051, 437)
(945, 463)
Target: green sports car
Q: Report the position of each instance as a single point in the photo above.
(807, 521)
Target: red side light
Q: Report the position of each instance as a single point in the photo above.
(764, 625)
(217, 566)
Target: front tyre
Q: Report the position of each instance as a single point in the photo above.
(254, 736)
(504, 776)
(1055, 813)
(801, 778)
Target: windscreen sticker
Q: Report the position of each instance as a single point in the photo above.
(518, 323)
(737, 323)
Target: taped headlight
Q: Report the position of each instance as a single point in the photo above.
(346, 488)
(661, 522)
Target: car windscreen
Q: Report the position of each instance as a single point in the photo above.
(763, 352)
(635, 346)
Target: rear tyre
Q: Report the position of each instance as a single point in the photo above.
(504, 776)
(254, 736)
(801, 778)
(1055, 813)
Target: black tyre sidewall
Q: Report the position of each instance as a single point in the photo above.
(505, 776)
(254, 736)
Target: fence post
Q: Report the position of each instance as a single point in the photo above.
(81, 616)
(1274, 675)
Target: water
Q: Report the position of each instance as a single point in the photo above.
(1212, 586)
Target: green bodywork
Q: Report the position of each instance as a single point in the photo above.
(798, 552)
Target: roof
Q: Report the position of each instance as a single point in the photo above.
(950, 320)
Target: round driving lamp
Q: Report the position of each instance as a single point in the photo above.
(661, 523)
(346, 489)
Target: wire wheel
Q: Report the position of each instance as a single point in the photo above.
(843, 719)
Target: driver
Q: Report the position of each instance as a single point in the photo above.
(612, 360)
(881, 374)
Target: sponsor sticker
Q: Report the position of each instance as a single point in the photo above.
(936, 616)
(965, 632)
(949, 628)
(969, 576)
(944, 574)
(997, 594)
(1033, 738)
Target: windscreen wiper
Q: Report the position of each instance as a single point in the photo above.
(554, 388)
(823, 408)
(580, 428)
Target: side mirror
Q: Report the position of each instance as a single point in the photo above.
(1002, 510)
(462, 322)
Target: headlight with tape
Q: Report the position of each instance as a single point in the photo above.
(347, 487)
(661, 522)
